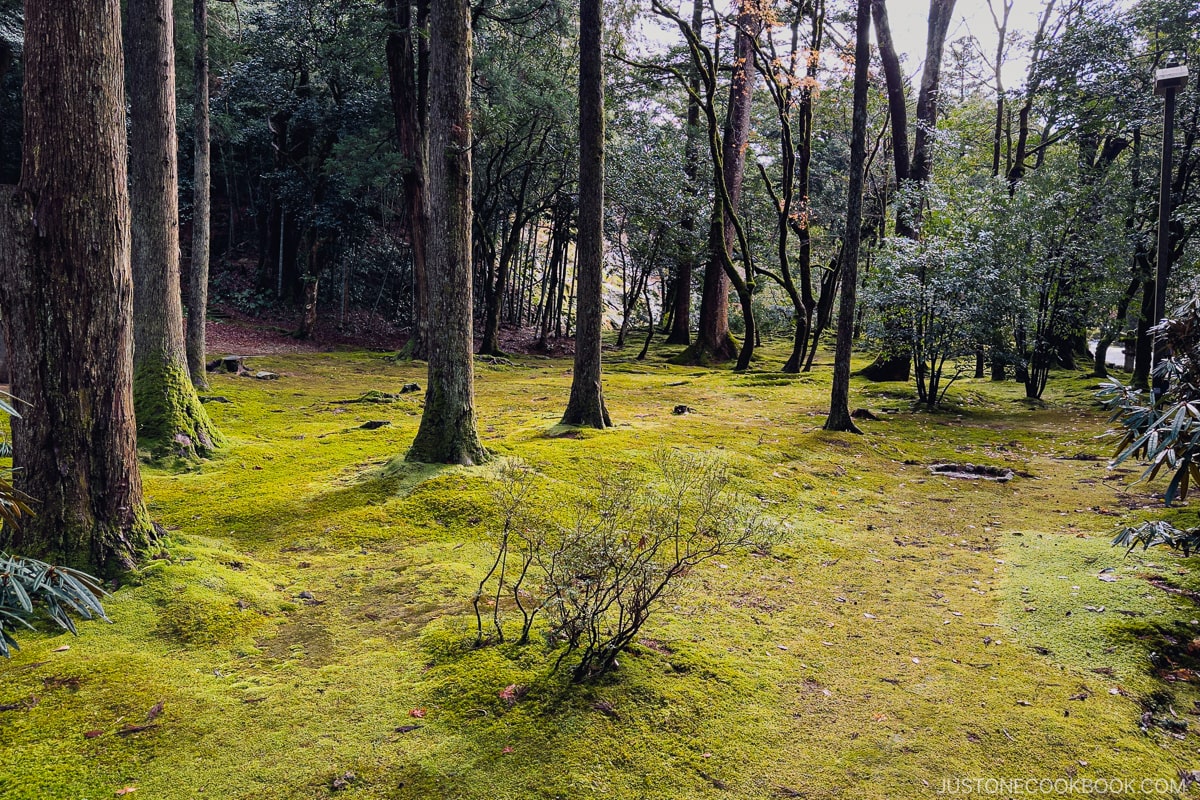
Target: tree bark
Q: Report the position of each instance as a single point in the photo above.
(68, 295)
(681, 312)
(940, 14)
(171, 419)
(839, 418)
(409, 114)
(914, 173)
(447, 432)
(197, 299)
(586, 404)
(737, 137)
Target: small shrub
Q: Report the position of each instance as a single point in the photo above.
(1165, 436)
(633, 539)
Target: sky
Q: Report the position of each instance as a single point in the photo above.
(909, 20)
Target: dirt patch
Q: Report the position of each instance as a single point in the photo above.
(305, 638)
(974, 472)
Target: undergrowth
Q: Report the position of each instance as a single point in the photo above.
(309, 616)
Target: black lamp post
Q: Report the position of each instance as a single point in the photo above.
(1167, 81)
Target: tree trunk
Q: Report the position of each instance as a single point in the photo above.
(1144, 343)
(447, 432)
(916, 172)
(839, 418)
(586, 405)
(409, 116)
(171, 419)
(681, 312)
(737, 137)
(897, 104)
(940, 14)
(68, 295)
(197, 298)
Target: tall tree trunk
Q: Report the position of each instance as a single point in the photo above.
(171, 419)
(737, 137)
(409, 115)
(197, 298)
(839, 418)
(941, 12)
(586, 405)
(910, 175)
(68, 295)
(681, 312)
(447, 432)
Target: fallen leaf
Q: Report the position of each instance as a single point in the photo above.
(126, 790)
(92, 734)
(407, 728)
(512, 693)
(506, 750)
(419, 713)
(128, 729)
(153, 713)
(64, 649)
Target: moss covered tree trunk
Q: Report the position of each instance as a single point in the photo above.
(68, 295)
(170, 416)
(197, 298)
(586, 405)
(447, 433)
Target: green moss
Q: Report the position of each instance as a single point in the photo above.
(171, 419)
(276, 695)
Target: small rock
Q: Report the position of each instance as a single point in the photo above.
(682, 409)
(343, 782)
(863, 413)
(410, 387)
(214, 398)
(263, 375)
(374, 424)
(231, 364)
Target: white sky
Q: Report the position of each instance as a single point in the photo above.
(909, 22)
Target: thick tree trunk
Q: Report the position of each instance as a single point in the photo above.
(839, 418)
(586, 405)
(197, 298)
(737, 137)
(447, 432)
(68, 295)
(171, 419)
(410, 120)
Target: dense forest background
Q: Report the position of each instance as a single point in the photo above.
(1031, 235)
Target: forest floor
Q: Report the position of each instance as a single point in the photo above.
(305, 630)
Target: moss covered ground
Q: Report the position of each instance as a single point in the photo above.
(306, 623)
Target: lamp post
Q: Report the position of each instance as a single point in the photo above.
(1167, 81)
